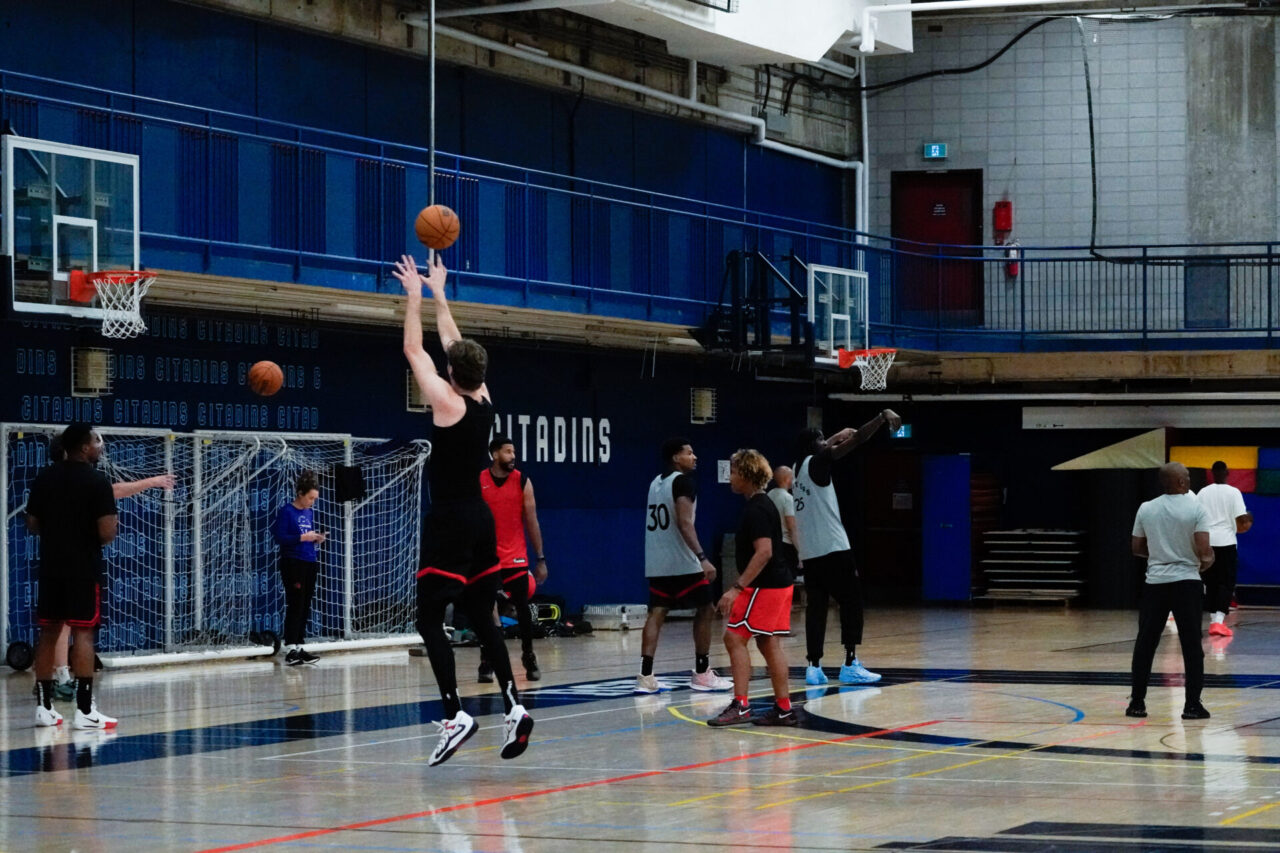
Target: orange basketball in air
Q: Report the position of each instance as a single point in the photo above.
(437, 227)
(265, 378)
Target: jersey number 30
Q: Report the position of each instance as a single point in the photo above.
(659, 517)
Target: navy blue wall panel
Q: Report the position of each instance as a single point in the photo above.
(726, 169)
(788, 186)
(82, 41)
(671, 158)
(190, 55)
(307, 80)
(397, 101)
(498, 120)
(604, 143)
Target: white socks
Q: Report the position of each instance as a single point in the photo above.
(1217, 616)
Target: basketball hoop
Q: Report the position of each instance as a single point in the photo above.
(120, 294)
(873, 364)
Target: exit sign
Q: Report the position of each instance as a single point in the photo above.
(935, 151)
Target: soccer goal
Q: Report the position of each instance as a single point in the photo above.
(192, 573)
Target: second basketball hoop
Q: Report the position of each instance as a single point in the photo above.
(873, 364)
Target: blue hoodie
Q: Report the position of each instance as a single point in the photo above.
(290, 524)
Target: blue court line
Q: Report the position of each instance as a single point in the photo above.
(1079, 714)
(124, 749)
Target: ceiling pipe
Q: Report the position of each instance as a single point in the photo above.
(867, 27)
(754, 123)
(525, 6)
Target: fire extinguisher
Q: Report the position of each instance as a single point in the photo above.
(1012, 259)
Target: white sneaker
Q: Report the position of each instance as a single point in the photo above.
(453, 733)
(649, 684)
(46, 717)
(516, 726)
(709, 682)
(95, 719)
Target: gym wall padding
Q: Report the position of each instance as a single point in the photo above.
(1258, 548)
(1243, 458)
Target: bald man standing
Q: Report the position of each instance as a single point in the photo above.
(780, 494)
(1171, 533)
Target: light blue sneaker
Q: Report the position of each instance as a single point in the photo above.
(856, 673)
(814, 675)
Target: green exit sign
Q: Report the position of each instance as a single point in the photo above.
(935, 151)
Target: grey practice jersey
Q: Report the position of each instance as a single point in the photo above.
(665, 551)
(817, 516)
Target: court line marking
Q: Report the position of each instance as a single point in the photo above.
(922, 773)
(1251, 813)
(916, 754)
(354, 746)
(525, 795)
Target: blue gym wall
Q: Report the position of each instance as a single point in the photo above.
(203, 58)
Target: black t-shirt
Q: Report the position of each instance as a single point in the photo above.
(67, 499)
(685, 486)
(458, 452)
(760, 520)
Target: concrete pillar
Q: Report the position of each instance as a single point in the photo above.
(1231, 129)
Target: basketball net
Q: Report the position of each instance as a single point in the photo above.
(120, 294)
(873, 364)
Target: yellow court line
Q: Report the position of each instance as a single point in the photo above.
(793, 780)
(915, 753)
(923, 773)
(1251, 813)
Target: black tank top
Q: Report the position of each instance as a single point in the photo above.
(459, 453)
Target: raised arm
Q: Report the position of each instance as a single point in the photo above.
(445, 325)
(128, 490)
(434, 387)
(535, 532)
(842, 444)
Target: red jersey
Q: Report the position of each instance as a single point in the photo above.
(506, 502)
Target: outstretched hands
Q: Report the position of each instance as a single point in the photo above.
(406, 270)
(892, 418)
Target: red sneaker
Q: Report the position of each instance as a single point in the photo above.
(1219, 629)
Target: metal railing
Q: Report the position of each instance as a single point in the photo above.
(242, 196)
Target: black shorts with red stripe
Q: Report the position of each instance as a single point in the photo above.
(458, 543)
(679, 592)
(762, 612)
(75, 601)
(518, 584)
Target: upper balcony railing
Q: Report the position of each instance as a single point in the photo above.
(242, 196)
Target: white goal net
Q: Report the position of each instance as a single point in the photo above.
(193, 571)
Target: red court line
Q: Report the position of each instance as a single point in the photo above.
(365, 824)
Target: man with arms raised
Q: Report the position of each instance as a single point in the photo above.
(460, 556)
(829, 569)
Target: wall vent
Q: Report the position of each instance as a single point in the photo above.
(414, 400)
(91, 371)
(702, 405)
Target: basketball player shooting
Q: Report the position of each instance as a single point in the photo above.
(460, 556)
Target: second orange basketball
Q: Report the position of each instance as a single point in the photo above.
(265, 378)
(437, 227)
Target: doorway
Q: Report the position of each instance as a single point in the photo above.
(935, 285)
